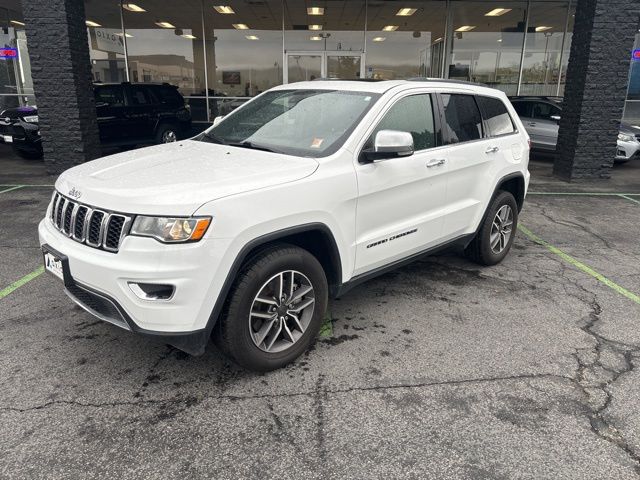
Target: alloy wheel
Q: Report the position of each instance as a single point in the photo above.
(281, 311)
(501, 229)
(169, 136)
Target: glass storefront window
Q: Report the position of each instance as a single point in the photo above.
(106, 43)
(541, 65)
(16, 86)
(221, 55)
(632, 105)
(324, 39)
(406, 45)
(487, 43)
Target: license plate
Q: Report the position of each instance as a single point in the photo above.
(7, 138)
(54, 265)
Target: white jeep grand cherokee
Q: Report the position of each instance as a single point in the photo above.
(245, 230)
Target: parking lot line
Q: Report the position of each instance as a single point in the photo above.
(15, 187)
(18, 283)
(579, 265)
(634, 200)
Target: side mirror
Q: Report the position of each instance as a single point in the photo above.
(555, 117)
(217, 120)
(389, 144)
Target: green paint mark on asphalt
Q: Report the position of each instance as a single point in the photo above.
(634, 200)
(24, 186)
(579, 265)
(17, 284)
(586, 194)
(15, 187)
(326, 330)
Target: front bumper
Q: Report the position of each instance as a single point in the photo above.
(99, 283)
(626, 150)
(25, 135)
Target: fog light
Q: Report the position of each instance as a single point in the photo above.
(152, 291)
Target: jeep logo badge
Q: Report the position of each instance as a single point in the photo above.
(75, 193)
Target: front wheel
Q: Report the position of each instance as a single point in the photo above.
(274, 310)
(497, 231)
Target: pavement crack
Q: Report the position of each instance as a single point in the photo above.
(311, 393)
(595, 379)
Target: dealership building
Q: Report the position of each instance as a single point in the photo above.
(219, 53)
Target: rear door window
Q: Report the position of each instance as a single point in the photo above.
(111, 95)
(413, 114)
(543, 111)
(139, 96)
(496, 116)
(462, 118)
(523, 109)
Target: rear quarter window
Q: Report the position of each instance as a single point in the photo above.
(496, 116)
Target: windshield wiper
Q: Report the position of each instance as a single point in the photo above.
(253, 146)
(213, 138)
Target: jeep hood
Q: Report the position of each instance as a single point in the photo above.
(177, 178)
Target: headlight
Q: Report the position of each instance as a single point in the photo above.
(623, 137)
(171, 229)
(31, 118)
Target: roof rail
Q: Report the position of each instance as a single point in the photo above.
(348, 79)
(553, 98)
(444, 80)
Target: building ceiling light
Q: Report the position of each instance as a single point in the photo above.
(315, 38)
(251, 37)
(406, 12)
(132, 7)
(390, 28)
(315, 11)
(188, 35)
(379, 39)
(439, 39)
(165, 25)
(465, 28)
(496, 12)
(240, 26)
(224, 9)
(16, 22)
(542, 28)
(315, 27)
(128, 35)
(91, 23)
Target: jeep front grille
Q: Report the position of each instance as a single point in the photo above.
(91, 226)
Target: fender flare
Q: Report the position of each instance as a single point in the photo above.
(264, 240)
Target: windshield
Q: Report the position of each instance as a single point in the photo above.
(310, 123)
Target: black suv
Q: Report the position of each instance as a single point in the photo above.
(128, 114)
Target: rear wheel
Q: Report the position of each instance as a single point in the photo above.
(496, 233)
(274, 310)
(166, 133)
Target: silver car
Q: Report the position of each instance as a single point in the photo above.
(541, 115)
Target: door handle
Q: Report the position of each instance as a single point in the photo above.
(492, 149)
(436, 162)
(532, 124)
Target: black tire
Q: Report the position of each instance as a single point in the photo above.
(479, 250)
(233, 329)
(166, 129)
(28, 154)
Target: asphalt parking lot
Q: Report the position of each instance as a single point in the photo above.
(441, 369)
